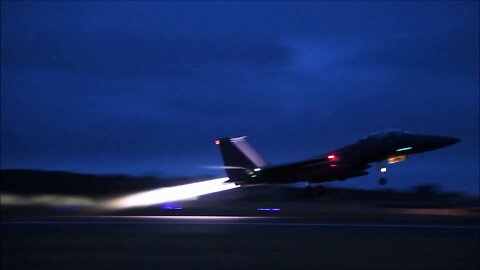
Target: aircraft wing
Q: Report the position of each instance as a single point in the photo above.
(318, 170)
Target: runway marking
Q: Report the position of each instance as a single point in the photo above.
(345, 225)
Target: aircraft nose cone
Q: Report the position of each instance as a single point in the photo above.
(447, 141)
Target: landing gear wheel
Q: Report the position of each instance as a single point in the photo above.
(320, 191)
(310, 191)
(382, 181)
(313, 192)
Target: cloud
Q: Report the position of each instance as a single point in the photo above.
(128, 87)
(455, 52)
(126, 54)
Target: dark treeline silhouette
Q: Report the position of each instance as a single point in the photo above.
(27, 182)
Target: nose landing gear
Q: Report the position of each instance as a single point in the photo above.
(383, 180)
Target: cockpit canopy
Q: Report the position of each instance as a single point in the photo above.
(388, 133)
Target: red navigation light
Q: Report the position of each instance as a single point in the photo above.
(217, 141)
(333, 165)
(331, 157)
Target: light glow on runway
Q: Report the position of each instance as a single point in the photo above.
(200, 218)
(171, 194)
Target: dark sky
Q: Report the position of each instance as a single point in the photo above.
(146, 87)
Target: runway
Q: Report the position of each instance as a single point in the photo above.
(236, 242)
(227, 221)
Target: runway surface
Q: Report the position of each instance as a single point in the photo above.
(237, 242)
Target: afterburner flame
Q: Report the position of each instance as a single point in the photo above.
(171, 194)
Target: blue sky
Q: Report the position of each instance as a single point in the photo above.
(146, 87)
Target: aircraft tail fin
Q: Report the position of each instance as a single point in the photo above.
(239, 157)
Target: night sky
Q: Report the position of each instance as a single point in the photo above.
(146, 87)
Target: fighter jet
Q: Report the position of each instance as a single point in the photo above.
(245, 167)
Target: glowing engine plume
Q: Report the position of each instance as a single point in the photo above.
(170, 194)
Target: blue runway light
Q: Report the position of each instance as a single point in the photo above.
(268, 209)
(171, 207)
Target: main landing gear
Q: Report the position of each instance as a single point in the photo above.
(316, 191)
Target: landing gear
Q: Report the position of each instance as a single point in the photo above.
(320, 190)
(313, 192)
(382, 181)
(382, 169)
(309, 191)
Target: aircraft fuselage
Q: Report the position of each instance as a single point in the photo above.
(349, 161)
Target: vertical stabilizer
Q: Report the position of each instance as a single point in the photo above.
(239, 157)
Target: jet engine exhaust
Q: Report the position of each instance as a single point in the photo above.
(171, 194)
